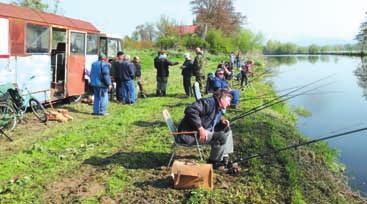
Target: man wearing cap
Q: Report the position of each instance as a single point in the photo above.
(115, 73)
(199, 68)
(206, 117)
(220, 82)
(127, 75)
(162, 65)
(136, 62)
(101, 82)
(187, 73)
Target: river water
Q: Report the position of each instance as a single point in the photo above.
(339, 107)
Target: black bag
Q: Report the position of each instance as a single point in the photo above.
(4, 97)
(16, 97)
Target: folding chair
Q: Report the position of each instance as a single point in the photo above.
(196, 90)
(173, 131)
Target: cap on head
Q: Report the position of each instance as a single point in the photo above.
(220, 93)
(187, 56)
(102, 56)
(136, 59)
(119, 53)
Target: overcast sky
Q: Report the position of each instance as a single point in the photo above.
(300, 21)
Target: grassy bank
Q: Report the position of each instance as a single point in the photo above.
(121, 158)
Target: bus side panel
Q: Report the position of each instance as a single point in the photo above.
(7, 70)
(75, 72)
(38, 66)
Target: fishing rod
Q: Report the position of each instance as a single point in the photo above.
(273, 102)
(295, 146)
(294, 90)
(306, 94)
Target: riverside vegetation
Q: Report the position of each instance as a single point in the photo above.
(121, 158)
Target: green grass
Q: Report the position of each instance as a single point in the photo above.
(121, 157)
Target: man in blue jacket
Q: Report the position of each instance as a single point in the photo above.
(126, 72)
(101, 82)
(220, 82)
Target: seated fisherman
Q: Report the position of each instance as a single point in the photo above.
(219, 82)
(206, 117)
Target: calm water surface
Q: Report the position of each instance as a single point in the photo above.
(338, 107)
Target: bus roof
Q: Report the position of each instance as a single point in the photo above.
(33, 15)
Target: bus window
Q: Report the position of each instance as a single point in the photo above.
(103, 46)
(92, 41)
(38, 38)
(58, 36)
(112, 48)
(77, 44)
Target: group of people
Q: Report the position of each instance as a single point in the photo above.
(189, 68)
(205, 116)
(123, 72)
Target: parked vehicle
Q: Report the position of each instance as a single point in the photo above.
(56, 50)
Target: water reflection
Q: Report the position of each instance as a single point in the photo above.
(283, 60)
(276, 61)
(361, 73)
(313, 59)
(325, 58)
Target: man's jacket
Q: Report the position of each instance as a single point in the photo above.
(187, 68)
(100, 74)
(126, 71)
(201, 113)
(162, 66)
(199, 65)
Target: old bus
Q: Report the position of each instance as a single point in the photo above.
(54, 49)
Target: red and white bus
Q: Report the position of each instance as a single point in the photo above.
(54, 49)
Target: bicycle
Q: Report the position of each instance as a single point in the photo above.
(19, 101)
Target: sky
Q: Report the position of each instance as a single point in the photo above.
(300, 21)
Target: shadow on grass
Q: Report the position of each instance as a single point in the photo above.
(162, 183)
(179, 104)
(74, 110)
(157, 123)
(132, 160)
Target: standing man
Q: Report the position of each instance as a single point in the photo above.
(126, 75)
(232, 59)
(115, 73)
(101, 82)
(136, 62)
(162, 66)
(187, 73)
(205, 117)
(199, 68)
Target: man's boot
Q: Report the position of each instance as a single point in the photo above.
(163, 93)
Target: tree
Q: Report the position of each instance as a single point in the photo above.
(362, 35)
(35, 4)
(54, 7)
(144, 32)
(166, 27)
(314, 49)
(217, 15)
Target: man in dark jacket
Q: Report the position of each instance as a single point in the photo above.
(162, 65)
(115, 75)
(126, 74)
(205, 117)
(187, 73)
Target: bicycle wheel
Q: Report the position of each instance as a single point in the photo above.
(8, 117)
(38, 110)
